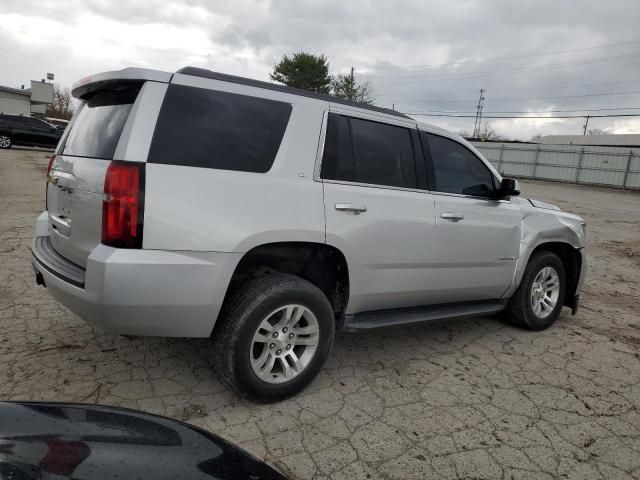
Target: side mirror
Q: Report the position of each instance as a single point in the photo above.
(509, 188)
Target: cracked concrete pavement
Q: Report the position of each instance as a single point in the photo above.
(457, 399)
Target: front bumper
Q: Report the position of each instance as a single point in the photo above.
(140, 292)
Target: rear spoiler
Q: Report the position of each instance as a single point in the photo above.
(97, 81)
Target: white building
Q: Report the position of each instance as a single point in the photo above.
(26, 101)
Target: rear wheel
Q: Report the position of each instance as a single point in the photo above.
(540, 296)
(275, 334)
(5, 141)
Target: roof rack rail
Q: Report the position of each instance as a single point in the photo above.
(204, 73)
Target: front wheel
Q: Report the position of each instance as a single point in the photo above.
(5, 141)
(540, 296)
(275, 335)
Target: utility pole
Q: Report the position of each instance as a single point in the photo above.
(476, 125)
(352, 89)
(586, 122)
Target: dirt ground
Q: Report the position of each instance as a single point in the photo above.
(458, 399)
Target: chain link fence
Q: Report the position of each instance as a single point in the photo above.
(588, 165)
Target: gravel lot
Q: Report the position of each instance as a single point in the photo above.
(459, 399)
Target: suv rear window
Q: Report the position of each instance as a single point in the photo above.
(99, 123)
(211, 129)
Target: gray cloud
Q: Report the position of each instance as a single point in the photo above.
(247, 36)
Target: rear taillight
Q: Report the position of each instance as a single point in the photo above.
(123, 205)
(52, 161)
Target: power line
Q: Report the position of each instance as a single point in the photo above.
(568, 86)
(557, 97)
(540, 54)
(556, 87)
(427, 114)
(488, 73)
(545, 111)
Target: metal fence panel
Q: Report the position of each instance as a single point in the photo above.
(612, 166)
(633, 180)
(550, 172)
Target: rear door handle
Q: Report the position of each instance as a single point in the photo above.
(452, 216)
(351, 208)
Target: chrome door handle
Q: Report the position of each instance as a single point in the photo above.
(452, 217)
(351, 208)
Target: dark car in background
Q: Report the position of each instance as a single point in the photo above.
(92, 442)
(27, 131)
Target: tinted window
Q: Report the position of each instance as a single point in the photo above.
(211, 129)
(337, 160)
(99, 123)
(36, 123)
(457, 169)
(384, 154)
(7, 120)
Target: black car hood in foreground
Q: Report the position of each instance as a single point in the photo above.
(61, 440)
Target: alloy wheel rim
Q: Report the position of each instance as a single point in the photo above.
(284, 343)
(545, 292)
(4, 141)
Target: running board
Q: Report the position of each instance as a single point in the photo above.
(408, 316)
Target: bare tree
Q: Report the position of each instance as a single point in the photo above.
(488, 133)
(63, 105)
(346, 86)
(464, 133)
(597, 131)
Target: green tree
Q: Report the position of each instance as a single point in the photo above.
(303, 70)
(346, 86)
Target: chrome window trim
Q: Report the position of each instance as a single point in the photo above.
(373, 185)
(470, 197)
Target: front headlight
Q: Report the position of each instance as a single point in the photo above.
(583, 225)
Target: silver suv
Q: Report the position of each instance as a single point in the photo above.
(197, 204)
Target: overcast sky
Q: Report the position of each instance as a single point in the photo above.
(422, 56)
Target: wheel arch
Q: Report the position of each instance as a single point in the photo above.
(572, 260)
(323, 265)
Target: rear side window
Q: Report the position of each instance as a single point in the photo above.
(212, 129)
(337, 160)
(368, 152)
(384, 154)
(98, 125)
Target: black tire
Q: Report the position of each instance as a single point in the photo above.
(519, 311)
(241, 316)
(4, 139)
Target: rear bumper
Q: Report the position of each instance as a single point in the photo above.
(141, 292)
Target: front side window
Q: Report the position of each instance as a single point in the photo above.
(205, 128)
(457, 169)
(383, 153)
